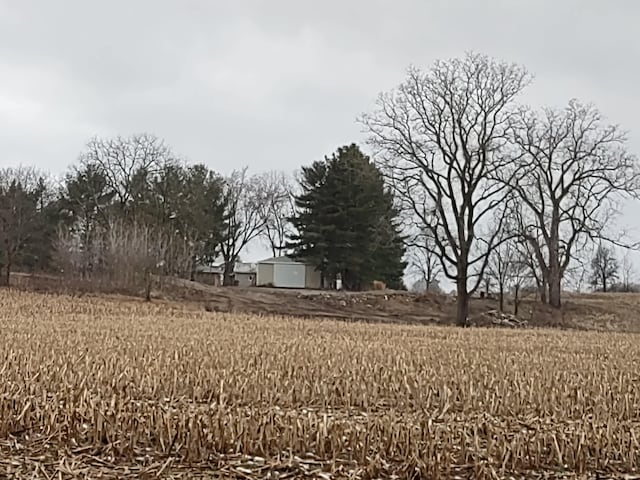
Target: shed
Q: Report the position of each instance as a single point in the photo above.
(244, 274)
(284, 272)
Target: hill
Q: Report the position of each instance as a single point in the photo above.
(611, 312)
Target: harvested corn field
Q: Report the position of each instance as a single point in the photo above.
(118, 388)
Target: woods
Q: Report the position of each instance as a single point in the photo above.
(464, 184)
(131, 210)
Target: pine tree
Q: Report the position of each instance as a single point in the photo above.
(26, 222)
(347, 223)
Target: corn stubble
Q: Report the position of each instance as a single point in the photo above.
(126, 388)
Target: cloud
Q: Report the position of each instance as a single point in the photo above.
(277, 84)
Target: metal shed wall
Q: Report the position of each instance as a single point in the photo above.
(289, 275)
(264, 274)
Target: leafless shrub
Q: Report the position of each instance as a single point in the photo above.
(128, 257)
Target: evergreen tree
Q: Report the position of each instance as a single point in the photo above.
(27, 221)
(346, 222)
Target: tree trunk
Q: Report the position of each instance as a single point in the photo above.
(192, 273)
(501, 298)
(516, 300)
(147, 287)
(7, 272)
(462, 311)
(555, 276)
(604, 284)
(544, 289)
(555, 281)
(227, 277)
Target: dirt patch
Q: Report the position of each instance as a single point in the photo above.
(602, 312)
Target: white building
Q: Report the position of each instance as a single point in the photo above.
(284, 272)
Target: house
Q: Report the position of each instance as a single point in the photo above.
(244, 274)
(209, 274)
(284, 272)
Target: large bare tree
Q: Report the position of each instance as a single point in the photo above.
(440, 138)
(243, 222)
(127, 163)
(277, 207)
(570, 172)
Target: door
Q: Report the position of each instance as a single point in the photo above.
(289, 275)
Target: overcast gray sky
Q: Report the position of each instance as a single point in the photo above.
(279, 83)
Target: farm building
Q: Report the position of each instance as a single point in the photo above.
(284, 272)
(244, 274)
(209, 274)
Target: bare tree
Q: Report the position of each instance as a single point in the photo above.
(243, 200)
(503, 262)
(440, 138)
(570, 171)
(422, 259)
(132, 256)
(627, 271)
(526, 254)
(126, 163)
(276, 209)
(576, 276)
(604, 268)
(520, 275)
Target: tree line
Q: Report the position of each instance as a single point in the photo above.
(130, 211)
(465, 183)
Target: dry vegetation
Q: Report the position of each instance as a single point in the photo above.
(124, 388)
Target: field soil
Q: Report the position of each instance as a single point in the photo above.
(610, 312)
(105, 386)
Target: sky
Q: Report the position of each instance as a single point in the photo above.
(278, 84)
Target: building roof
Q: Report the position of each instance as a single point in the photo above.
(241, 267)
(209, 269)
(282, 259)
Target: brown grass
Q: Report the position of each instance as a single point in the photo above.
(127, 388)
